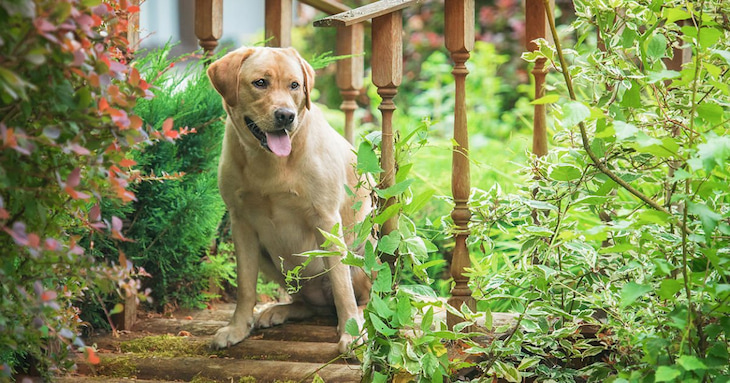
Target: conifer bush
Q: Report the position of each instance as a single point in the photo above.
(174, 220)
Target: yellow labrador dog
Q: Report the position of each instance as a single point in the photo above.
(282, 175)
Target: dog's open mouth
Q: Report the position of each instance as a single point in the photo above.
(277, 142)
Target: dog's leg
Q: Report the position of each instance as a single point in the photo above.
(247, 260)
(344, 295)
(282, 312)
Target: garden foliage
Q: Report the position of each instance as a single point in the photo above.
(621, 269)
(66, 129)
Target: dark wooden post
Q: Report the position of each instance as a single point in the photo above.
(536, 28)
(277, 23)
(350, 71)
(459, 34)
(387, 66)
(208, 23)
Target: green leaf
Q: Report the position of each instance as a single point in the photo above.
(691, 363)
(507, 371)
(538, 231)
(367, 160)
(657, 46)
(632, 96)
(674, 14)
(416, 247)
(540, 205)
(379, 377)
(383, 282)
(574, 112)
(547, 99)
(712, 153)
(419, 201)
(711, 113)
(669, 287)
(388, 213)
(403, 309)
(117, 309)
(370, 259)
(709, 36)
(724, 54)
(352, 328)
(389, 243)
(427, 320)
(565, 172)
(666, 374)
(664, 148)
(708, 217)
(591, 200)
(381, 307)
(628, 36)
(528, 363)
(624, 130)
(631, 292)
(664, 74)
(394, 190)
(417, 292)
(380, 326)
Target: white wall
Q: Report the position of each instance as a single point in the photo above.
(173, 20)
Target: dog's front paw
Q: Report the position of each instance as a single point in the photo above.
(229, 335)
(347, 343)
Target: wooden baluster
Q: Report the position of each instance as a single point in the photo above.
(387, 67)
(208, 24)
(350, 71)
(277, 22)
(459, 35)
(536, 28)
(133, 30)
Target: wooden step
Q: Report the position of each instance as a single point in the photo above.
(221, 369)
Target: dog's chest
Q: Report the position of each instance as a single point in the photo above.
(285, 222)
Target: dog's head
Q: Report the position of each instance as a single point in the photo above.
(267, 90)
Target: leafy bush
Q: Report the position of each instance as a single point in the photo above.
(174, 220)
(66, 128)
(622, 274)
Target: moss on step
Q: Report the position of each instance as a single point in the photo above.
(169, 346)
(117, 367)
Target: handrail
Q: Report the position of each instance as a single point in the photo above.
(365, 13)
(329, 7)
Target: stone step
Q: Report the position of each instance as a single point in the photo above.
(219, 369)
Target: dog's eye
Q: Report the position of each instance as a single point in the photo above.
(294, 85)
(260, 83)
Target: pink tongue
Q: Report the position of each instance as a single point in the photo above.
(279, 143)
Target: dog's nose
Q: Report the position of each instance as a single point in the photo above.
(284, 116)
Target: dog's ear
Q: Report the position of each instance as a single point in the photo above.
(308, 78)
(224, 74)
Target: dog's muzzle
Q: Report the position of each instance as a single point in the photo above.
(277, 142)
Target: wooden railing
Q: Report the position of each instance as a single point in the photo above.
(387, 59)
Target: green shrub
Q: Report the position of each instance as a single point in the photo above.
(174, 220)
(623, 267)
(66, 127)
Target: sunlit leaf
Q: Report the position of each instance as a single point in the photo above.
(666, 374)
(633, 291)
